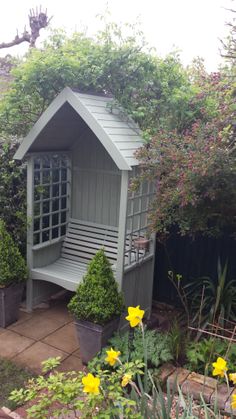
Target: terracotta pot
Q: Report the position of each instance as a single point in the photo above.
(10, 299)
(92, 337)
(141, 243)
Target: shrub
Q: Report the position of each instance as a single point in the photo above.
(158, 348)
(97, 298)
(12, 265)
(13, 193)
(212, 300)
(178, 338)
(200, 355)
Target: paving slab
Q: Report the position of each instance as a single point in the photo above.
(23, 316)
(2, 330)
(38, 327)
(77, 353)
(33, 356)
(72, 363)
(12, 344)
(59, 312)
(63, 338)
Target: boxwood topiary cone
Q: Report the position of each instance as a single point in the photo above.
(97, 306)
(12, 264)
(13, 273)
(97, 298)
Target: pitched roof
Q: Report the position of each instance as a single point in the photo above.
(116, 131)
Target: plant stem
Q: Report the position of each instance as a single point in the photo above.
(145, 357)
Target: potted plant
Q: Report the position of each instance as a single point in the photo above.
(141, 243)
(97, 306)
(13, 274)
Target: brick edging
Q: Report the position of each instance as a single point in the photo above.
(9, 414)
(197, 385)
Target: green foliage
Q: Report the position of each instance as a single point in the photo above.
(114, 401)
(66, 389)
(184, 114)
(200, 355)
(177, 341)
(13, 194)
(97, 298)
(12, 265)
(156, 92)
(212, 300)
(50, 364)
(194, 194)
(158, 348)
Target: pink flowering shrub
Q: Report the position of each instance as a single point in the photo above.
(194, 169)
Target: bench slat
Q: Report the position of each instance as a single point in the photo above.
(82, 241)
(84, 258)
(84, 246)
(90, 224)
(93, 226)
(92, 232)
(90, 237)
(88, 254)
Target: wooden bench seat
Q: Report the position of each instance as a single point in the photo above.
(81, 243)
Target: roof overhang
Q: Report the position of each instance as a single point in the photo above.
(74, 99)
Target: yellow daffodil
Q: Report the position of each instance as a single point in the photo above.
(126, 380)
(112, 357)
(135, 316)
(233, 402)
(220, 367)
(232, 377)
(91, 384)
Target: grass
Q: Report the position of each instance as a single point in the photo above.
(11, 377)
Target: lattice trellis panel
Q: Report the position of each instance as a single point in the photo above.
(137, 225)
(51, 197)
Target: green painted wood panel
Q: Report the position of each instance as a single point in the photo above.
(46, 255)
(138, 284)
(96, 182)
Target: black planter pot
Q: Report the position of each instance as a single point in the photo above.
(92, 337)
(10, 299)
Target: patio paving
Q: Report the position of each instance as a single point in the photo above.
(46, 332)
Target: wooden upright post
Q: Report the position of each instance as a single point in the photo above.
(30, 203)
(122, 226)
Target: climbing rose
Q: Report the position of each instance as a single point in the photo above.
(112, 357)
(135, 316)
(91, 384)
(220, 367)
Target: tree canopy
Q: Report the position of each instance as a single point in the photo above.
(187, 117)
(155, 91)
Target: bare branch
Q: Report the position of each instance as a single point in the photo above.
(18, 40)
(37, 21)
